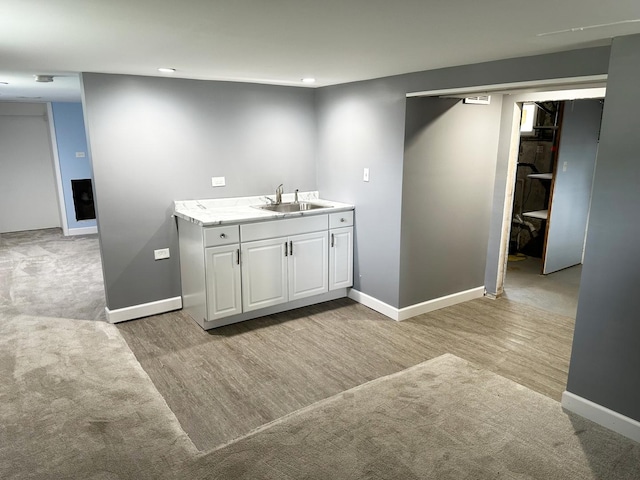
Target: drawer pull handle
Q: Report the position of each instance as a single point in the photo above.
(223, 235)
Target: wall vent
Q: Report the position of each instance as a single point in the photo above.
(478, 100)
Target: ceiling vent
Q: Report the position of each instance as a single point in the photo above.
(478, 100)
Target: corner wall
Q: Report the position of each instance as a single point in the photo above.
(605, 355)
(362, 125)
(156, 140)
(449, 167)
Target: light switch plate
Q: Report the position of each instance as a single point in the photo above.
(365, 175)
(218, 182)
(80, 154)
(161, 253)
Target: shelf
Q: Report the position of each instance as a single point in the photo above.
(541, 176)
(539, 214)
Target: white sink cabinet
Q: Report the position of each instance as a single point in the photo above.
(237, 272)
(285, 268)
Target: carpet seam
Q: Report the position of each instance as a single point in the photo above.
(330, 399)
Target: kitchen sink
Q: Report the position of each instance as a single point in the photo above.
(291, 207)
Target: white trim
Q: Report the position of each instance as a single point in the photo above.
(83, 230)
(143, 310)
(556, 83)
(610, 419)
(374, 304)
(417, 309)
(56, 167)
(438, 303)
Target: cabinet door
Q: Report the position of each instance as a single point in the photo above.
(308, 262)
(341, 258)
(222, 275)
(264, 273)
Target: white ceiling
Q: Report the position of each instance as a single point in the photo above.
(282, 41)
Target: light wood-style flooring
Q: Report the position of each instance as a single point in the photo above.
(223, 383)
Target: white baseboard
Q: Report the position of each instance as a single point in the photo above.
(417, 309)
(374, 304)
(143, 310)
(610, 419)
(82, 230)
(438, 303)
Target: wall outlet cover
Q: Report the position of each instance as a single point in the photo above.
(161, 253)
(218, 181)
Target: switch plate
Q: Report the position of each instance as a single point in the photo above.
(218, 182)
(80, 154)
(365, 175)
(161, 253)
(564, 166)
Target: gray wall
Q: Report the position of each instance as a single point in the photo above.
(155, 140)
(605, 355)
(449, 167)
(28, 198)
(572, 186)
(362, 124)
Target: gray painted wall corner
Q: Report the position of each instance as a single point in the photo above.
(605, 351)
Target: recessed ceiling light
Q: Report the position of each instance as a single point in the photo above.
(166, 70)
(308, 80)
(43, 78)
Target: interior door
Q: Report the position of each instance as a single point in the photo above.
(573, 180)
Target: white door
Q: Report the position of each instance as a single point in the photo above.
(224, 296)
(341, 258)
(264, 273)
(308, 262)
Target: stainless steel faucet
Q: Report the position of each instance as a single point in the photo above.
(279, 192)
(295, 198)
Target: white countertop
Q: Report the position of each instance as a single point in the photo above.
(218, 211)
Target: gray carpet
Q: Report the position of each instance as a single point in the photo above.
(75, 404)
(45, 273)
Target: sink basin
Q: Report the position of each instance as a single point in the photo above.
(291, 207)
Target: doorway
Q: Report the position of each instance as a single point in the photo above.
(552, 181)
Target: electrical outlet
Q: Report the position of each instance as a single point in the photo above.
(218, 182)
(80, 154)
(161, 253)
(564, 166)
(365, 175)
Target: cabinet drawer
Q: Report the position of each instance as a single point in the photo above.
(284, 227)
(214, 236)
(341, 219)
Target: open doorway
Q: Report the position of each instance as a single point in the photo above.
(553, 176)
(50, 262)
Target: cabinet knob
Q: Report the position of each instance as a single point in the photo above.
(223, 235)
(342, 220)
